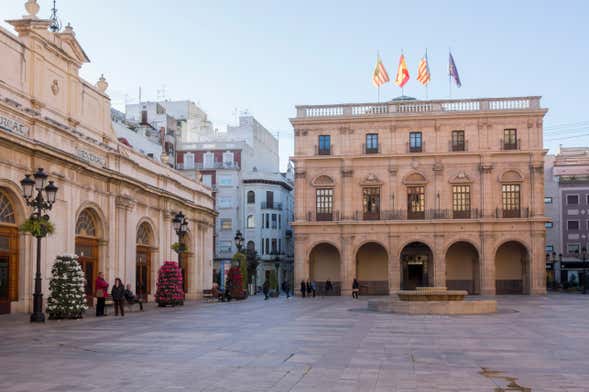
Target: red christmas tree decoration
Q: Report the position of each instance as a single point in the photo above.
(169, 285)
(235, 282)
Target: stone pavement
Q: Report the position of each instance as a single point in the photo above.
(329, 344)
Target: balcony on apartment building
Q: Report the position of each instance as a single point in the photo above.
(208, 166)
(265, 205)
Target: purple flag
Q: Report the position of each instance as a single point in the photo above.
(453, 72)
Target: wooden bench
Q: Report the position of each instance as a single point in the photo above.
(108, 302)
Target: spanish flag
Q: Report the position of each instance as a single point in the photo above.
(402, 73)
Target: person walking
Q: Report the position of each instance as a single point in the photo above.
(266, 289)
(101, 293)
(303, 288)
(328, 287)
(118, 296)
(355, 288)
(131, 298)
(313, 288)
(309, 288)
(286, 288)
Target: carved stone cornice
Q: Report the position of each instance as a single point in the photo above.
(347, 172)
(38, 105)
(125, 202)
(486, 168)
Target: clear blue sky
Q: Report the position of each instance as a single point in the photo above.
(267, 56)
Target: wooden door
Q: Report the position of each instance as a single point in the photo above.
(87, 251)
(8, 267)
(143, 272)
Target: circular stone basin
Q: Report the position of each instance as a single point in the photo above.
(432, 294)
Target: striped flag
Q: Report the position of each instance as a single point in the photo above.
(423, 75)
(453, 71)
(402, 73)
(380, 75)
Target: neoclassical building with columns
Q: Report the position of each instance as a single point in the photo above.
(114, 206)
(412, 193)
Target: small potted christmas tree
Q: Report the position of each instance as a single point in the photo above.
(169, 285)
(67, 299)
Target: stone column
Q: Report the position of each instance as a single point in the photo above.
(487, 264)
(486, 203)
(439, 261)
(299, 192)
(347, 205)
(125, 242)
(537, 263)
(301, 261)
(348, 264)
(394, 264)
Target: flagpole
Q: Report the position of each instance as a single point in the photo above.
(379, 93)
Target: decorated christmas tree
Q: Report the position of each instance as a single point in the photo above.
(169, 285)
(67, 299)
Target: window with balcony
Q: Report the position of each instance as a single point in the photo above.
(269, 199)
(324, 204)
(415, 142)
(267, 221)
(510, 139)
(371, 146)
(461, 201)
(251, 222)
(274, 221)
(415, 202)
(458, 142)
(510, 198)
(572, 199)
(279, 222)
(371, 203)
(207, 179)
(251, 197)
(324, 145)
(208, 160)
(228, 159)
(573, 249)
(573, 225)
(226, 224)
(189, 160)
(274, 246)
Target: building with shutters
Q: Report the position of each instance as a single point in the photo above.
(411, 193)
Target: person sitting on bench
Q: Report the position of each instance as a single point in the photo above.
(131, 298)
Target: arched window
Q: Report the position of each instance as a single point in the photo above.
(251, 197)
(144, 234)
(251, 223)
(6, 210)
(86, 226)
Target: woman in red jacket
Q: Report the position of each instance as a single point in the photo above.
(101, 293)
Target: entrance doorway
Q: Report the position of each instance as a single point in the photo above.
(87, 251)
(372, 269)
(143, 273)
(417, 266)
(8, 254)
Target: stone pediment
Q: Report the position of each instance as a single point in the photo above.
(460, 178)
(414, 179)
(371, 180)
(323, 180)
(72, 47)
(511, 176)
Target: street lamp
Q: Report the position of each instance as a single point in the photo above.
(181, 228)
(41, 203)
(238, 240)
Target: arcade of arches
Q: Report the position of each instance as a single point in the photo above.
(458, 266)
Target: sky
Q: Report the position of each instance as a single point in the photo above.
(265, 57)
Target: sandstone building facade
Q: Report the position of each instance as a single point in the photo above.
(421, 193)
(114, 205)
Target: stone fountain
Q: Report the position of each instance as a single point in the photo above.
(432, 300)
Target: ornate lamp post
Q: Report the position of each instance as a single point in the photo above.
(238, 240)
(41, 203)
(181, 228)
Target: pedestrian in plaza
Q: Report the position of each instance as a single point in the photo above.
(118, 296)
(131, 298)
(313, 288)
(328, 287)
(309, 289)
(355, 288)
(286, 288)
(101, 293)
(303, 288)
(266, 289)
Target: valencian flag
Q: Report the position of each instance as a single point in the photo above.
(380, 75)
(402, 73)
(423, 75)
(453, 71)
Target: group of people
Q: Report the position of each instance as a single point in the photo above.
(266, 289)
(119, 294)
(309, 288)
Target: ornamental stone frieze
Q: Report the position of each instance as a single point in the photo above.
(125, 202)
(486, 168)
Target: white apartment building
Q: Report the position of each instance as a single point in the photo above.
(144, 139)
(192, 123)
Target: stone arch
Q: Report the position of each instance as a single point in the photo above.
(325, 263)
(145, 250)
(372, 268)
(13, 193)
(152, 227)
(463, 266)
(96, 212)
(417, 264)
(512, 266)
(12, 213)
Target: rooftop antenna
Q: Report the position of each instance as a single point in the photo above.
(55, 25)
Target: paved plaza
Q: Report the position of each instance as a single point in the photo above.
(329, 344)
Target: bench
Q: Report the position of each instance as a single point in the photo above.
(108, 302)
